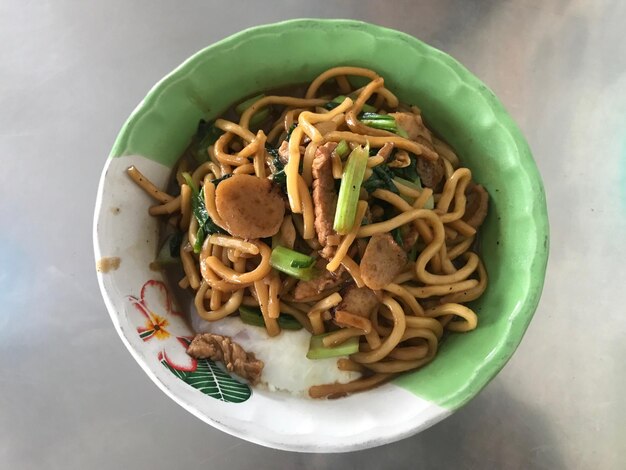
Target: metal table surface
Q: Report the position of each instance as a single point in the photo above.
(71, 72)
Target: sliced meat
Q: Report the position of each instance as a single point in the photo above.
(324, 198)
(430, 172)
(283, 151)
(382, 261)
(325, 281)
(360, 301)
(412, 124)
(409, 237)
(476, 206)
(250, 207)
(223, 349)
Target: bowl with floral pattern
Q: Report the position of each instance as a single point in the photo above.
(456, 105)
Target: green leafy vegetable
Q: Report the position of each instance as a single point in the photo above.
(409, 172)
(170, 250)
(342, 149)
(206, 226)
(349, 190)
(340, 99)
(206, 135)
(396, 233)
(382, 178)
(290, 131)
(278, 169)
(317, 350)
(379, 121)
(253, 316)
(291, 262)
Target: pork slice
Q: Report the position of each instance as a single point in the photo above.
(324, 197)
(412, 124)
(223, 349)
(431, 172)
(360, 301)
(325, 281)
(382, 261)
(477, 205)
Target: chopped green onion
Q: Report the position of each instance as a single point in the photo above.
(413, 185)
(341, 98)
(317, 350)
(377, 117)
(291, 262)
(379, 121)
(253, 316)
(189, 180)
(350, 188)
(342, 149)
(402, 133)
(302, 264)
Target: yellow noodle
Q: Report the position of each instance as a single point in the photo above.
(391, 341)
(307, 163)
(308, 214)
(226, 309)
(379, 141)
(306, 119)
(347, 239)
(244, 122)
(234, 277)
(271, 324)
(462, 227)
(406, 296)
(189, 265)
(472, 293)
(232, 242)
(273, 306)
(184, 282)
(353, 269)
(247, 169)
(317, 323)
(147, 185)
(469, 322)
(340, 336)
(185, 206)
(216, 299)
(209, 202)
(460, 248)
(339, 389)
(338, 71)
(168, 208)
(291, 170)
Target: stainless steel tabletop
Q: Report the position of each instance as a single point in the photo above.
(71, 72)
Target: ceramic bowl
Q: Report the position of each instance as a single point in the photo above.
(455, 104)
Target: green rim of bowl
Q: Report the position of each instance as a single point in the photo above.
(457, 105)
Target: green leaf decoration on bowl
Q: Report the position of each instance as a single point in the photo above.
(213, 381)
